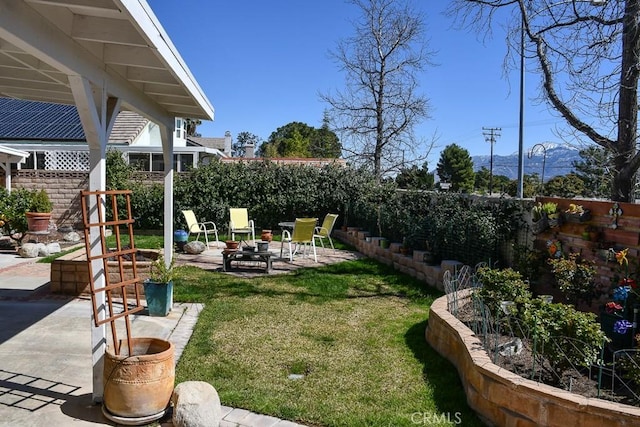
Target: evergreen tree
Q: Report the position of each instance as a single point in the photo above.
(568, 186)
(298, 139)
(595, 170)
(415, 178)
(456, 167)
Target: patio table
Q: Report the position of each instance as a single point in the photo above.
(230, 255)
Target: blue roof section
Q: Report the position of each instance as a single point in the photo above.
(34, 120)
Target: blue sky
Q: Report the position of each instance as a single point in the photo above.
(262, 65)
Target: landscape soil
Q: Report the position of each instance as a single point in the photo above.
(516, 355)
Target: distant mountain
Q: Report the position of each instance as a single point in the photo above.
(559, 161)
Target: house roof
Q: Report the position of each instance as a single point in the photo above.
(43, 121)
(118, 45)
(127, 127)
(217, 143)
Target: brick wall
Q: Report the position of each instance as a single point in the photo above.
(64, 190)
(626, 234)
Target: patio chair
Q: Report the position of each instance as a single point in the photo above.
(302, 234)
(205, 227)
(239, 223)
(324, 231)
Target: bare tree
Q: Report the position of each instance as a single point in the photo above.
(380, 106)
(587, 55)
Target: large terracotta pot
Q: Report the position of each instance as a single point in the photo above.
(38, 221)
(140, 384)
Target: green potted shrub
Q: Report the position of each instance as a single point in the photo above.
(39, 212)
(158, 288)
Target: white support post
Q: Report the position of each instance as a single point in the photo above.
(7, 174)
(97, 113)
(166, 134)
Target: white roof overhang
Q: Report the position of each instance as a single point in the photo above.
(26, 147)
(11, 155)
(117, 45)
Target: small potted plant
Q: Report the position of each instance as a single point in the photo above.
(405, 249)
(539, 221)
(550, 209)
(158, 288)
(576, 213)
(39, 212)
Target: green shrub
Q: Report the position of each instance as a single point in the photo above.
(501, 285)
(13, 206)
(454, 226)
(40, 202)
(574, 276)
(566, 336)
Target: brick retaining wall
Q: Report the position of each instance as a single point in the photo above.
(504, 398)
(70, 273)
(412, 265)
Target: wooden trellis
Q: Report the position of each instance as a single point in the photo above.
(96, 217)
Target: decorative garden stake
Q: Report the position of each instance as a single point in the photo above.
(615, 212)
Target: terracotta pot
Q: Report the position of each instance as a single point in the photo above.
(232, 244)
(266, 236)
(139, 384)
(38, 221)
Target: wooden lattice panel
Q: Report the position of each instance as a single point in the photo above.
(97, 217)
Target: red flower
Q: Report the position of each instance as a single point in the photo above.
(629, 281)
(612, 307)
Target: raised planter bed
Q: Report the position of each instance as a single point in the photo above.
(504, 398)
(70, 274)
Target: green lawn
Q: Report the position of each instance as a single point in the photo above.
(354, 331)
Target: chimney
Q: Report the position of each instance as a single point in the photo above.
(249, 151)
(227, 143)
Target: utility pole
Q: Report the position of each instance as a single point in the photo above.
(491, 135)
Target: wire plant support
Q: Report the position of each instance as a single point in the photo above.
(96, 218)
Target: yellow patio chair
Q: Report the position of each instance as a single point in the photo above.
(205, 227)
(302, 234)
(324, 231)
(239, 223)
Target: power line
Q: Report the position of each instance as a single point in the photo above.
(491, 135)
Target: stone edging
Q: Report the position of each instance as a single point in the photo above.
(503, 398)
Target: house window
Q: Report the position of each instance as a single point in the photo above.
(157, 163)
(139, 161)
(179, 128)
(34, 161)
(182, 162)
